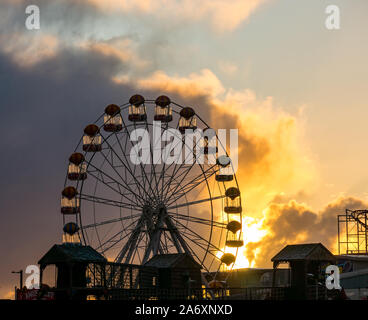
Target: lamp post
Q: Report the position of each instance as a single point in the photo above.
(20, 277)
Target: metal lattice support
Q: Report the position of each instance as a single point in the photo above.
(353, 232)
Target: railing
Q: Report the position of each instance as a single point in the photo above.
(253, 293)
(316, 292)
(199, 294)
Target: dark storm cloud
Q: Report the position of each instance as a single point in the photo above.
(43, 111)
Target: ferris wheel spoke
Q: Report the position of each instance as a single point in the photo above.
(162, 177)
(201, 261)
(166, 187)
(92, 225)
(153, 175)
(175, 171)
(188, 188)
(131, 172)
(104, 174)
(176, 236)
(131, 243)
(199, 220)
(109, 202)
(115, 190)
(114, 236)
(126, 167)
(208, 243)
(202, 247)
(195, 202)
(183, 192)
(194, 254)
(100, 247)
(124, 149)
(137, 248)
(202, 176)
(184, 172)
(142, 169)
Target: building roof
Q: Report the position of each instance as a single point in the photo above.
(178, 260)
(308, 251)
(70, 252)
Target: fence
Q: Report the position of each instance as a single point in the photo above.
(199, 294)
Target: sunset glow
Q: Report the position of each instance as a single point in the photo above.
(295, 90)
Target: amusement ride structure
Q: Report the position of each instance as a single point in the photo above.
(130, 212)
(353, 232)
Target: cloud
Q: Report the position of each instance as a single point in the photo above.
(273, 154)
(204, 83)
(44, 108)
(274, 162)
(228, 67)
(223, 15)
(27, 49)
(293, 222)
(122, 48)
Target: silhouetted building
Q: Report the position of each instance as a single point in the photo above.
(177, 270)
(307, 264)
(71, 261)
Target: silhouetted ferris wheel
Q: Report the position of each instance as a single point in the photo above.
(131, 212)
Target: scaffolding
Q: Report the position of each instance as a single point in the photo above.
(353, 232)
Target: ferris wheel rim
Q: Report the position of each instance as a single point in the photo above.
(125, 106)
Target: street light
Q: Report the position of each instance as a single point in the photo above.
(20, 277)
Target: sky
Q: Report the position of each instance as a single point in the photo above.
(296, 91)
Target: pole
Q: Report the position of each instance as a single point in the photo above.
(20, 272)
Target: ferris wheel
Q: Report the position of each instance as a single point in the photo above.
(130, 212)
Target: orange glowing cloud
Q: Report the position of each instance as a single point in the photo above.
(27, 50)
(273, 154)
(195, 84)
(122, 49)
(293, 222)
(274, 158)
